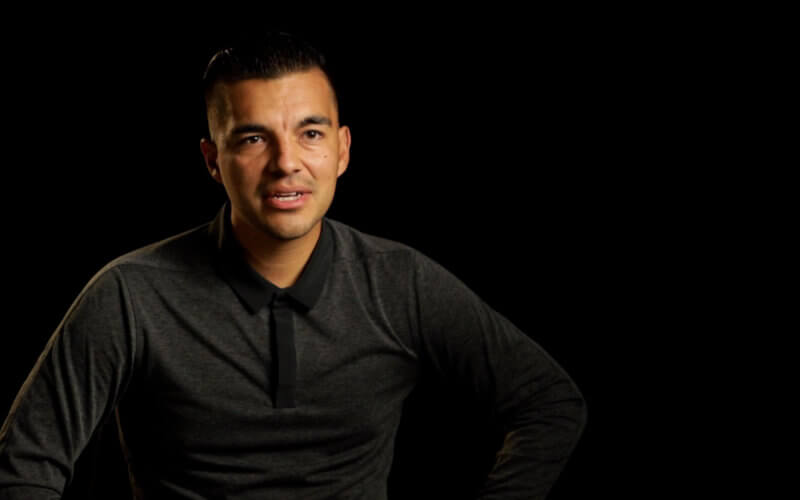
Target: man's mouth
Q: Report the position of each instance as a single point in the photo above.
(287, 200)
(288, 196)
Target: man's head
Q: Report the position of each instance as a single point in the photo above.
(273, 118)
(266, 55)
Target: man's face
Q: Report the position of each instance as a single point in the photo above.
(267, 137)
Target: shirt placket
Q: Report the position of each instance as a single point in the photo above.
(283, 317)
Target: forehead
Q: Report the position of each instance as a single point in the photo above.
(298, 92)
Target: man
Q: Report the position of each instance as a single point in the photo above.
(268, 353)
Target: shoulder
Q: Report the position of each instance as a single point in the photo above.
(353, 244)
(184, 252)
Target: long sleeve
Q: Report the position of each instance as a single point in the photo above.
(72, 389)
(474, 348)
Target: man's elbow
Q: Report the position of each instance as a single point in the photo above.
(564, 406)
(576, 408)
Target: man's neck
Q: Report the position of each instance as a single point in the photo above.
(279, 261)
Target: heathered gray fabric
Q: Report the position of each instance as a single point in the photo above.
(160, 335)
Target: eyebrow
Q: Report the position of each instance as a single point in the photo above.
(308, 120)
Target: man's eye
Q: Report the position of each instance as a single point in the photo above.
(319, 134)
(249, 140)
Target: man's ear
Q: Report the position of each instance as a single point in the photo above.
(209, 150)
(344, 149)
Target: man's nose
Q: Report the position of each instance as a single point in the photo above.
(286, 154)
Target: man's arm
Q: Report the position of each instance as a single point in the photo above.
(537, 405)
(73, 387)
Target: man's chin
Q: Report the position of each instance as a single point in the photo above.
(287, 230)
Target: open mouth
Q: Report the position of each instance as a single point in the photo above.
(287, 196)
(287, 200)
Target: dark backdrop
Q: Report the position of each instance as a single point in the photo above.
(516, 156)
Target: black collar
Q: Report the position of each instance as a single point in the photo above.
(251, 287)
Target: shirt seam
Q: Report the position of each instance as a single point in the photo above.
(134, 333)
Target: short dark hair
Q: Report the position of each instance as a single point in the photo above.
(269, 54)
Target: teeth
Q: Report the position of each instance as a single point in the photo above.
(287, 196)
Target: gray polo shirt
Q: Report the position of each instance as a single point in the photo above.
(225, 386)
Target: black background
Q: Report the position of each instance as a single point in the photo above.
(526, 156)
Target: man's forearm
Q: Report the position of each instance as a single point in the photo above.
(28, 493)
(539, 439)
